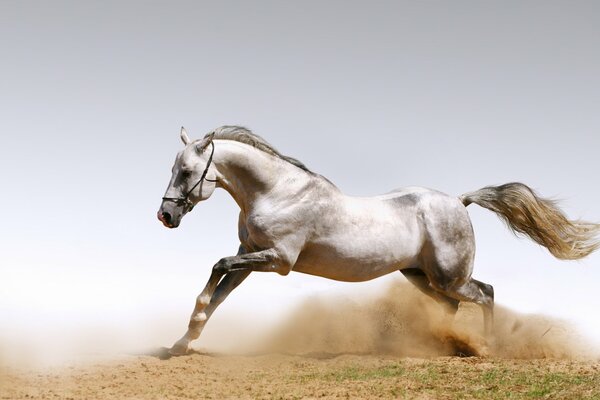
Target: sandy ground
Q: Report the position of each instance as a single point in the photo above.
(394, 345)
(310, 376)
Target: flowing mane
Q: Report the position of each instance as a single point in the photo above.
(244, 135)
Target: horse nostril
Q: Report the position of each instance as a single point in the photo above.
(167, 217)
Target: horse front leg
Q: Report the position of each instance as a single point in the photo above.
(202, 312)
(234, 269)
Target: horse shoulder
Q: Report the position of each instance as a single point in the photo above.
(270, 225)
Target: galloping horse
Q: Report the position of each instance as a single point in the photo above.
(292, 219)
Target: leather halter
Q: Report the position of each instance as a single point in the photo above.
(185, 199)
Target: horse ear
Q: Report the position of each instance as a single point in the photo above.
(184, 136)
(200, 147)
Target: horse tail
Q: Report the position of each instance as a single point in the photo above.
(525, 212)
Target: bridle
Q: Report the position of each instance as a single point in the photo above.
(185, 199)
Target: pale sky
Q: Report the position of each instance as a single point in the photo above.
(372, 95)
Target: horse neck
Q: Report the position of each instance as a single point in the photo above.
(248, 173)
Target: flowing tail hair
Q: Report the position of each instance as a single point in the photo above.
(525, 212)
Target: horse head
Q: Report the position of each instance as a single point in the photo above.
(192, 179)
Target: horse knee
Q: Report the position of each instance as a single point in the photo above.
(222, 266)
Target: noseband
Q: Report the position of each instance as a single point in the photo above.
(185, 200)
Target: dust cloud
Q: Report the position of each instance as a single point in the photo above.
(401, 321)
(395, 320)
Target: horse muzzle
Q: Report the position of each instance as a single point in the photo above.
(166, 219)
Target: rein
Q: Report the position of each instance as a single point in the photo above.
(185, 199)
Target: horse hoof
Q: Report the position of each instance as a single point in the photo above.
(179, 349)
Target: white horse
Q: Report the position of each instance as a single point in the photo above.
(292, 219)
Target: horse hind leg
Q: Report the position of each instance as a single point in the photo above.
(447, 260)
(418, 278)
(460, 345)
(488, 306)
(477, 292)
(451, 276)
(473, 291)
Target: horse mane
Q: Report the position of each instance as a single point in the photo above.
(246, 136)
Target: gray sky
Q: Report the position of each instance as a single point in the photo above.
(373, 95)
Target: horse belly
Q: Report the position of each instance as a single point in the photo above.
(358, 260)
(347, 272)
